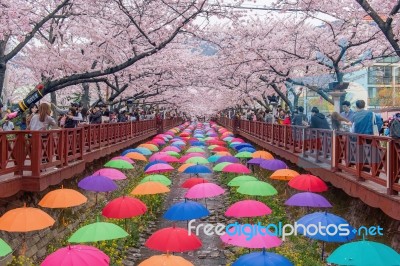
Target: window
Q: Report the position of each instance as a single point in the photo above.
(380, 75)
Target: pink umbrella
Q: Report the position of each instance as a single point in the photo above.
(204, 190)
(124, 158)
(236, 168)
(237, 140)
(77, 255)
(158, 141)
(190, 155)
(250, 237)
(247, 208)
(163, 156)
(171, 148)
(111, 173)
(159, 168)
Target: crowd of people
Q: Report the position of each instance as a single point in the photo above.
(360, 120)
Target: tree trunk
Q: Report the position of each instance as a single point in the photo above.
(3, 69)
(53, 99)
(85, 100)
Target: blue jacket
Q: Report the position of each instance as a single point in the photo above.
(363, 122)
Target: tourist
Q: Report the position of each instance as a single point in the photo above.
(32, 111)
(42, 120)
(318, 120)
(69, 118)
(286, 120)
(8, 125)
(85, 114)
(95, 115)
(347, 112)
(268, 118)
(363, 119)
(300, 119)
(337, 120)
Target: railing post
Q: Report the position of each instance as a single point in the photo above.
(390, 166)
(37, 149)
(359, 157)
(82, 142)
(304, 145)
(19, 156)
(285, 136)
(334, 151)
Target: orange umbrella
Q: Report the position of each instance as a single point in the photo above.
(166, 260)
(184, 166)
(150, 188)
(136, 156)
(284, 174)
(62, 198)
(263, 155)
(151, 147)
(25, 219)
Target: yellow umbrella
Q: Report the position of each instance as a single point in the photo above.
(284, 174)
(166, 260)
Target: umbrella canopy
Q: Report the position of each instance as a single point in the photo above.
(62, 198)
(236, 168)
(213, 158)
(184, 166)
(164, 157)
(151, 147)
(262, 259)
(248, 239)
(126, 159)
(244, 154)
(239, 180)
(193, 181)
(248, 208)
(284, 174)
(325, 219)
(263, 155)
(171, 148)
(197, 160)
(124, 207)
(119, 164)
(153, 163)
(136, 156)
(219, 148)
(4, 248)
(195, 149)
(25, 219)
(98, 231)
(256, 161)
(186, 210)
(150, 188)
(111, 173)
(141, 150)
(157, 178)
(75, 255)
(159, 168)
(309, 183)
(273, 165)
(361, 253)
(97, 183)
(247, 149)
(257, 188)
(174, 153)
(204, 190)
(220, 166)
(166, 260)
(173, 239)
(308, 199)
(197, 169)
(224, 153)
(228, 159)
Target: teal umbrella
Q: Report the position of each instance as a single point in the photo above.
(213, 158)
(364, 253)
(98, 231)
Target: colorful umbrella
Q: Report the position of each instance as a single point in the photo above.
(195, 149)
(263, 155)
(184, 166)
(126, 159)
(219, 148)
(5, 249)
(186, 210)
(284, 174)
(166, 260)
(157, 178)
(193, 181)
(228, 159)
(239, 180)
(153, 163)
(62, 198)
(308, 183)
(119, 164)
(98, 231)
(136, 156)
(174, 153)
(173, 239)
(124, 207)
(197, 169)
(111, 173)
(151, 147)
(97, 183)
(213, 158)
(262, 258)
(273, 165)
(247, 208)
(197, 160)
(150, 188)
(236, 168)
(220, 166)
(256, 161)
(257, 188)
(244, 154)
(159, 168)
(308, 199)
(76, 255)
(248, 238)
(204, 190)
(171, 148)
(361, 253)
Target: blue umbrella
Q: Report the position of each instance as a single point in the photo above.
(243, 145)
(249, 149)
(336, 229)
(197, 169)
(262, 258)
(153, 163)
(197, 143)
(186, 210)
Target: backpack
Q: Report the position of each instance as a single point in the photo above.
(395, 129)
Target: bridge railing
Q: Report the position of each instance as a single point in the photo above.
(367, 157)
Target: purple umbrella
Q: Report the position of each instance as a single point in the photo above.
(308, 199)
(228, 159)
(273, 165)
(97, 183)
(256, 161)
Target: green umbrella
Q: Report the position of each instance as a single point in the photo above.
(195, 149)
(157, 178)
(239, 180)
(212, 147)
(257, 188)
(220, 166)
(119, 164)
(244, 154)
(4, 248)
(197, 160)
(364, 253)
(97, 231)
(174, 153)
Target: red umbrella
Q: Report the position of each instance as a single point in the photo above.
(236, 168)
(310, 183)
(124, 207)
(216, 142)
(173, 239)
(184, 134)
(219, 148)
(193, 181)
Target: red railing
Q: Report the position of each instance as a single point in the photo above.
(367, 157)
